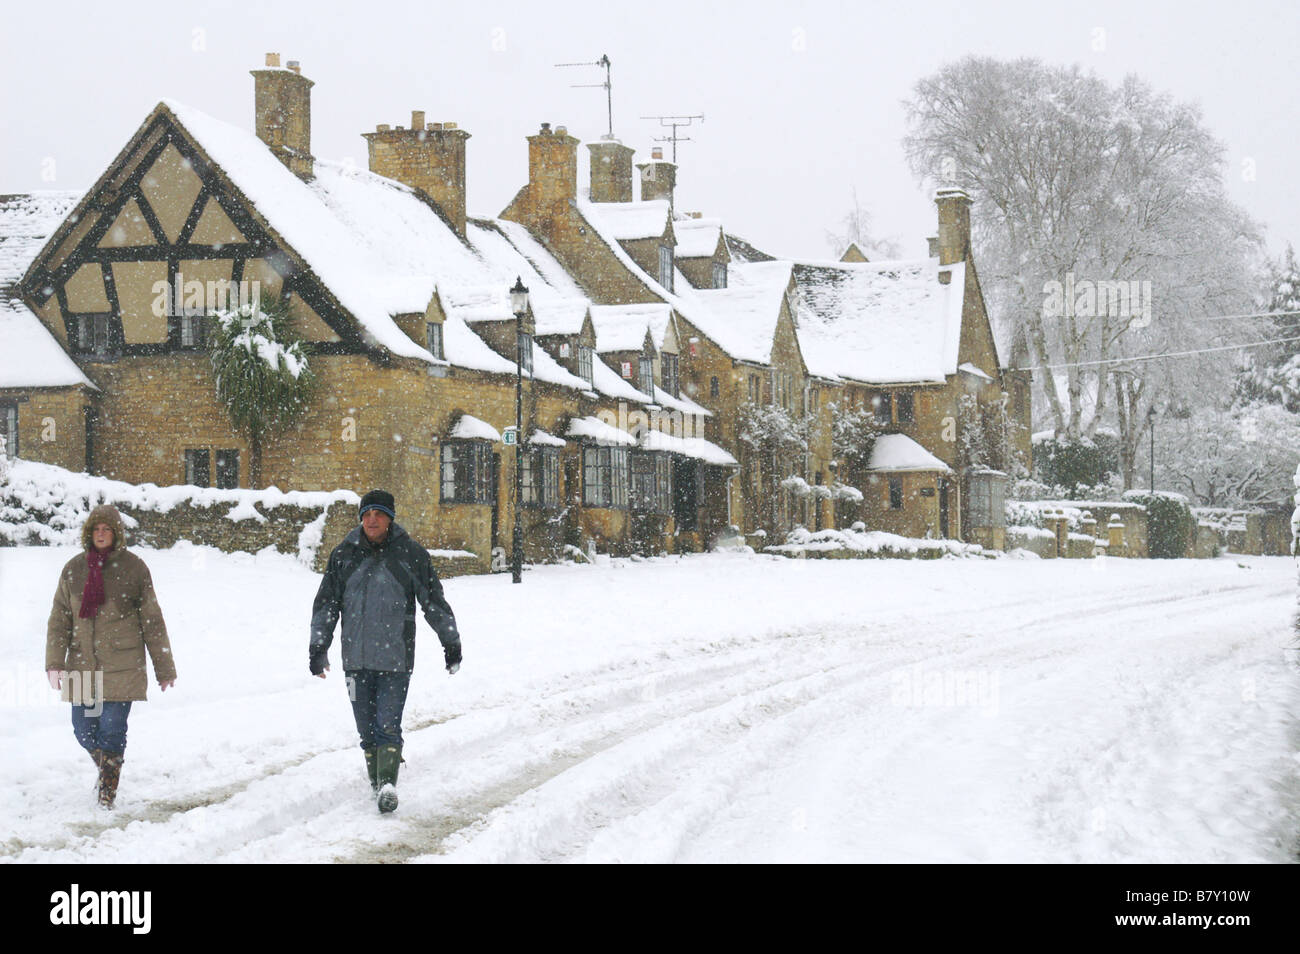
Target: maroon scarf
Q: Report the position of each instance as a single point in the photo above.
(92, 597)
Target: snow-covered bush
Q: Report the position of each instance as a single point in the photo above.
(853, 436)
(985, 436)
(846, 493)
(1069, 463)
(796, 485)
(1171, 526)
(1295, 517)
(1109, 489)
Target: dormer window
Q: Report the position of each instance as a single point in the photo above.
(433, 339)
(647, 376)
(719, 274)
(584, 363)
(666, 266)
(668, 365)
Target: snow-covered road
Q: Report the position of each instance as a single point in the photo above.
(711, 708)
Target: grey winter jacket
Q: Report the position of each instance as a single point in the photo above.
(375, 589)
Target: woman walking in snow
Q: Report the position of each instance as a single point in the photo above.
(105, 616)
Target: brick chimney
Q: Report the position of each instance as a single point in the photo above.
(429, 157)
(552, 167)
(282, 113)
(611, 171)
(954, 225)
(658, 177)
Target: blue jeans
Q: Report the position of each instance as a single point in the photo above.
(377, 702)
(107, 731)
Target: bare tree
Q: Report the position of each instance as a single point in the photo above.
(1084, 185)
(858, 226)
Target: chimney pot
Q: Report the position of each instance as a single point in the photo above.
(657, 152)
(954, 225)
(382, 127)
(282, 114)
(561, 131)
(545, 130)
(611, 170)
(433, 164)
(449, 126)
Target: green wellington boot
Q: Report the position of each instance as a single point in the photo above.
(387, 759)
(372, 769)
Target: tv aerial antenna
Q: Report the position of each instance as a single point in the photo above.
(675, 123)
(609, 95)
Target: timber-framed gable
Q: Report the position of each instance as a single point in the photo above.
(120, 228)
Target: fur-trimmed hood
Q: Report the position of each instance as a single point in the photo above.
(104, 513)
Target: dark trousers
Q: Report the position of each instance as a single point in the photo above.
(107, 731)
(377, 702)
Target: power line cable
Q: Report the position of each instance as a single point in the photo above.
(1153, 357)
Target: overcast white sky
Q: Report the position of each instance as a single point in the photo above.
(801, 100)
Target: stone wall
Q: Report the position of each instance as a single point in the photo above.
(51, 425)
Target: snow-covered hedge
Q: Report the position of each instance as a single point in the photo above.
(44, 504)
(873, 543)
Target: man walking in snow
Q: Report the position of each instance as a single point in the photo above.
(373, 580)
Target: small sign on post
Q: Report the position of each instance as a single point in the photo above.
(510, 436)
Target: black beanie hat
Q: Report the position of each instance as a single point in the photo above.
(378, 500)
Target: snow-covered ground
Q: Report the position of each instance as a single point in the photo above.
(726, 707)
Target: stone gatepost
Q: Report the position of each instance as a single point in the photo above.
(1115, 536)
(1090, 530)
(1061, 527)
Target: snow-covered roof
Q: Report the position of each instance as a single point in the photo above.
(30, 356)
(683, 301)
(898, 452)
(972, 370)
(472, 428)
(880, 322)
(623, 327)
(696, 447)
(683, 404)
(629, 221)
(383, 251)
(544, 439)
(324, 224)
(594, 429)
(610, 383)
(745, 313)
(696, 238)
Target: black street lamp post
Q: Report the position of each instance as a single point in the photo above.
(519, 305)
(1151, 425)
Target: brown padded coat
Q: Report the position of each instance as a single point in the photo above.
(128, 622)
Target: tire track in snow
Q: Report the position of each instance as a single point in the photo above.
(1191, 606)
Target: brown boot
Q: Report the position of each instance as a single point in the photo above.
(110, 772)
(96, 755)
